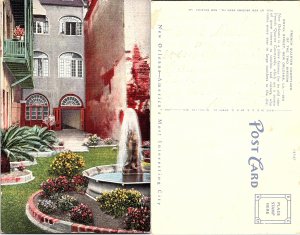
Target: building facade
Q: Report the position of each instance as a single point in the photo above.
(15, 57)
(58, 62)
(117, 51)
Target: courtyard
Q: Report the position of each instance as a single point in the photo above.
(78, 182)
(14, 198)
(75, 116)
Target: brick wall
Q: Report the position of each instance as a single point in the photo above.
(105, 70)
(115, 32)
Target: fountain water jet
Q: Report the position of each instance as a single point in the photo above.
(129, 156)
(127, 173)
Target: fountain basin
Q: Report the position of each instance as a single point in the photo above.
(108, 178)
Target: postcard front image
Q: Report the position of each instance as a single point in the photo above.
(75, 116)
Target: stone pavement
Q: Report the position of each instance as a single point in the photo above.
(73, 139)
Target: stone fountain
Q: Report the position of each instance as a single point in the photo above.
(128, 172)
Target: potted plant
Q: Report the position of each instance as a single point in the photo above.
(16, 143)
(49, 121)
(19, 32)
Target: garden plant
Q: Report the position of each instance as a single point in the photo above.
(116, 202)
(14, 198)
(16, 145)
(67, 164)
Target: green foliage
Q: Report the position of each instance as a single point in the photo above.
(17, 141)
(48, 137)
(66, 202)
(67, 164)
(15, 197)
(118, 201)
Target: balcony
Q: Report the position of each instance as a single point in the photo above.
(14, 49)
(16, 57)
(17, 54)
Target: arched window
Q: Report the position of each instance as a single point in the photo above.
(70, 25)
(70, 65)
(37, 107)
(71, 100)
(40, 25)
(40, 64)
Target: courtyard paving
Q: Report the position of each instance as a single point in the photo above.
(73, 139)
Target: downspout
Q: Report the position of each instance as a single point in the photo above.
(26, 29)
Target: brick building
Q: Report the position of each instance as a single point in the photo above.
(117, 49)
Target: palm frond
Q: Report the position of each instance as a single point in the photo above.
(22, 153)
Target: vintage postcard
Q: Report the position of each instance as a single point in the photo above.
(225, 117)
(75, 116)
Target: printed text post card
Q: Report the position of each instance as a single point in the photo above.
(225, 117)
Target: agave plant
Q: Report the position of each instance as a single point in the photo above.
(47, 137)
(16, 143)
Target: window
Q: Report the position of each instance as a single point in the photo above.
(71, 100)
(40, 64)
(70, 25)
(40, 25)
(70, 65)
(37, 107)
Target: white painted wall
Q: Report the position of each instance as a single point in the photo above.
(137, 27)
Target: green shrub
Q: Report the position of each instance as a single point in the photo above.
(47, 206)
(66, 202)
(17, 142)
(48, 137)
(67, 164)
(117, 201)
(138, 218)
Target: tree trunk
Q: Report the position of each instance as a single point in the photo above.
(5, 166)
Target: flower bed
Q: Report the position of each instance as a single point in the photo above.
(62, 205)
(16, 177)
(25, 163)
(61, 199)
(58, 224)
(93, 141)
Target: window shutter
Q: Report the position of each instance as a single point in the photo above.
(78, 28)
(61, 68)
(46, 27)
(34, 26)
(35, 67)
(45, 68)
(79, 69)
(62, 27)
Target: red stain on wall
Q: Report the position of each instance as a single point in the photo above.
(138, 91)
(105, 62)
(104, 45)
(107, 77)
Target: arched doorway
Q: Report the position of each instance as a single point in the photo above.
(70, 113)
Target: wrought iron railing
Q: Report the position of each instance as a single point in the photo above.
(14, 48)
